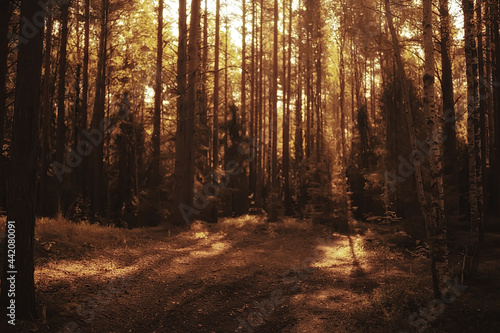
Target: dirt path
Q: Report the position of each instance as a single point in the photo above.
(277, 278)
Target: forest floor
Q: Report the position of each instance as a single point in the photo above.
(247, 275)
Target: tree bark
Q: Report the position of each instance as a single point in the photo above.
(253, 114)
(482, 107)
(85, 93)
(21, 196)
(450, 142)
(437, 230)
(274, 121)
(215, 139)
(243, 68)
(343, 116)
(187, 88)
(286, 117)
(496, 37)
(97, 157)
(61, 92)
(192, 100)
(155, 178)
(46, 200)
(473, 135)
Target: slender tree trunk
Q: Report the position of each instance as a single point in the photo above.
(253, 117)
(496, 37)
(299, 130)
(318, 102)
(180, 142)
(97, 157)
(187, 78)
(450, 144)
(261, 114)
(274, 121)
(343, 117)
(473, 135)
(215, 143)
(61, 94)
(155, 177)
(308, 90)
(482, 107)
(46, 200)
(439, 247)
(77, 102)
(286, 117)
(21, 196)
(226, 87)
(191, 102)
(85, 93)
(204, 91)
(243, 68)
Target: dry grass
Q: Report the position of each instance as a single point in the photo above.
(59, 237)
(70, 234)
(259, 224)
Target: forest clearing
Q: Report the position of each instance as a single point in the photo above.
(246, 274)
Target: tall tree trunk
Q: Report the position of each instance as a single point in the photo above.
(187, 77)
(286, 117)
(473, 135)
(215, 139)
(191, 102)
(308, 89)
(180, 144)
(85, 93)
(215, 129)
(46, 200)
(77, 107)
(155, 178)
(429, 215)
(482, 106)
(97, 157)
(259, 197)
(496, 37)
(450, 144)
(243, 68)
(343, 111)
(21, 197)
(437, 230)
(204, 93)
(299, 131)
(253, 117)
(318, 100)
(61, 93)
(226, 87)
(274, 121)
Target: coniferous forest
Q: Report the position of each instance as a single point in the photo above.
(249, 166)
